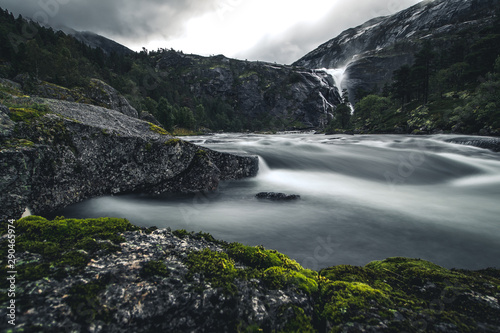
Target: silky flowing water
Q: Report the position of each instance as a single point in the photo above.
(363, 198)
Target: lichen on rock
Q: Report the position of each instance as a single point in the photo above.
(106, 275)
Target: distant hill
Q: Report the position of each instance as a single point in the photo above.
(97, 41)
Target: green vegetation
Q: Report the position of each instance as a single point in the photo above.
(24, 114)
(158, 129)
(405, 294)
(173, 142)
(65, 245)
(155, 268)
(17, 143)
(276, 270)
(216, 267)
(452, 86)
(182, 233)
(84, 301)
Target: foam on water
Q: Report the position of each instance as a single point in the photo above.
(372, 196)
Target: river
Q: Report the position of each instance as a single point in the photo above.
(363, 198)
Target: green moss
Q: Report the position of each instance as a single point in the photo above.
(350, 274)
(173, 142)
(75, 259)
(348, 301)
(83, 299)
(260, 258)
(67, 232)
(200, 153)
(299, 321)
(181, 233)
(154, 268)
(148, 146)
(66, 244)
(247, 75)
(282, 278)
(24, 114)
(157, 129)
(17, 144)
(403, 273)
(215, 267)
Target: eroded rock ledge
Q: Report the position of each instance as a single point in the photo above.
(56, 156)
(106, 275)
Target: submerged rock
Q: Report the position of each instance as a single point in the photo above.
(480, 142)
(277, 196)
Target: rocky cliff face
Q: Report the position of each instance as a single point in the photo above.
(62, 154)
(372, 51)
(256, 90)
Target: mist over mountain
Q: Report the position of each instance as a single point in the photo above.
(97, 41)
(371, 52)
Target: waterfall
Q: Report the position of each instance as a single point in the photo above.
(338, 75)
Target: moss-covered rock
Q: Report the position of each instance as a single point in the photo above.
(107, 273)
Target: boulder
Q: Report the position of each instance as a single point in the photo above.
(277, 196)
(78, 151)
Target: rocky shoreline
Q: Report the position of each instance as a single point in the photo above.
(55, 153)
(106, 275)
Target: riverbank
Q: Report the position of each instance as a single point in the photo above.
(107, 275)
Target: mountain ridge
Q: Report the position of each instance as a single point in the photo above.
(372, 51)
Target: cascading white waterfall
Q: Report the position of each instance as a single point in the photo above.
(338, 76)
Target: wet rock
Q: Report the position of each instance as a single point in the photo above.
(299, 98)
(277, 196)
(146, 116)
(6, 125)
(109, 97)
(77, 151)
(480, 142)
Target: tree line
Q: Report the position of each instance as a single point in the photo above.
(452, 86)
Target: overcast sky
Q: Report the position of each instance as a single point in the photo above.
(279, 31)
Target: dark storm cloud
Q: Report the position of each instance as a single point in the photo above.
(131, 19)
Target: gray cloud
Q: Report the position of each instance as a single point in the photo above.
(137, 22)
(301, 39)
(131, 19)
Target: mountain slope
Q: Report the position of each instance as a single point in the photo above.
(371, 52)
(97, 41)
(274, 96)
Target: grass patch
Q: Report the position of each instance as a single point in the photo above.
(158, 129)
(185, 132)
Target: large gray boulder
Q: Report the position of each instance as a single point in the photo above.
(78, 151)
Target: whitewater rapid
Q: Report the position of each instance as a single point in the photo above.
(363, 198)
